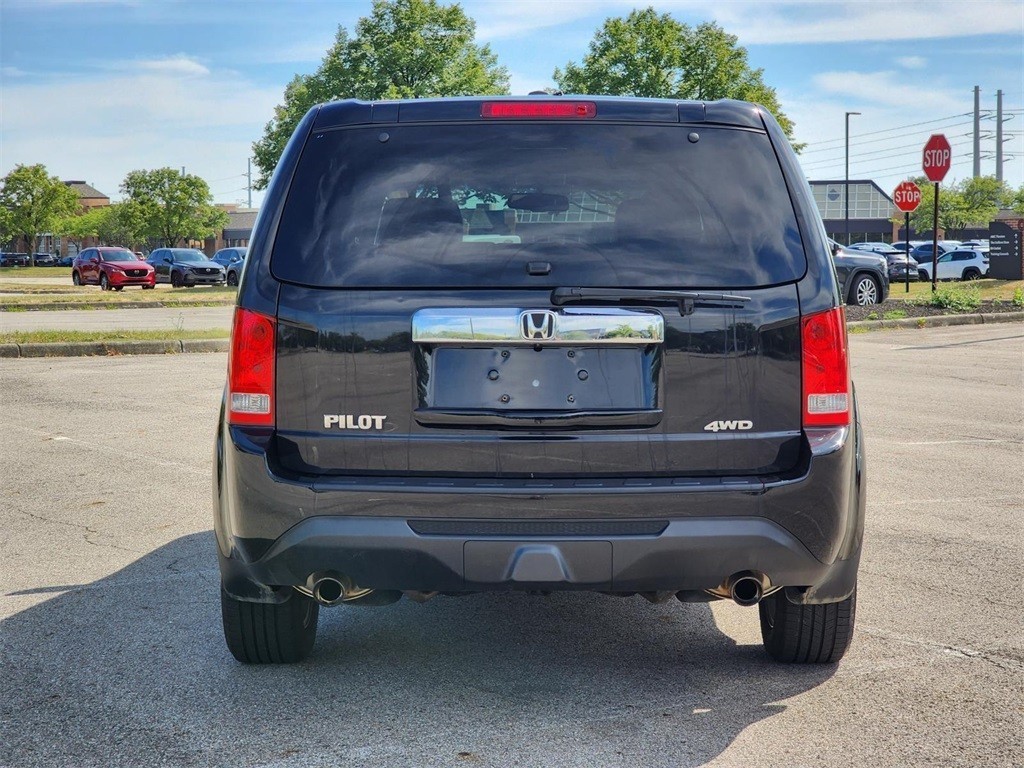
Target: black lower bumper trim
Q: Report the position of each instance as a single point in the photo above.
(389, 554)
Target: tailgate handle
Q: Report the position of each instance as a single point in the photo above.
(525, 419)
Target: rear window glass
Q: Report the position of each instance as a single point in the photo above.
(488, 204)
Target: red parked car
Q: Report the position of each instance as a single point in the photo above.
(111, 268)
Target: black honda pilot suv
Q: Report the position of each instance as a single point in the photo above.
(539, 344)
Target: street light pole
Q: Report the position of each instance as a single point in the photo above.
(846, 178)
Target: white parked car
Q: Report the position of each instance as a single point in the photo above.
(957, 265)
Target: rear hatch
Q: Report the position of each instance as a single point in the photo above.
(540, 299)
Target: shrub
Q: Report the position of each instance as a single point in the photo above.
(955, 298)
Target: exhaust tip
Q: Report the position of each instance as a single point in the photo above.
(328, 591)
(746, 590)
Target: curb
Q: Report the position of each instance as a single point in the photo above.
(112, 348)
(936, 321)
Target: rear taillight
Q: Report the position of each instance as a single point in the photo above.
(826, 389)
(251, 369)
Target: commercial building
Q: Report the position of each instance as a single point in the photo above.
(871, 210)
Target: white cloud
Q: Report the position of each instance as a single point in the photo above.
(100, 127)
(179, 64)
(859, 21)
(495, 21)
(769, 23)
(912, 62)
(889, 89)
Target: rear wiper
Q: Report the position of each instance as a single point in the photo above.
(687, 300)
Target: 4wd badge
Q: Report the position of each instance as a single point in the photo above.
(723, 426)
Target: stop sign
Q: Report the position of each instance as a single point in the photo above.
(907, 196)
(937, 158)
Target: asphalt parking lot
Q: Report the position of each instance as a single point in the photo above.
(111, 651)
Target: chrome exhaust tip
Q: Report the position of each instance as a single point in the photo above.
(329, 591)
(746, 590)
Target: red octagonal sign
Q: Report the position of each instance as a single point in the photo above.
(907, 196)
(937, 158)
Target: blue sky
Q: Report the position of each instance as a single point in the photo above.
(97, 88)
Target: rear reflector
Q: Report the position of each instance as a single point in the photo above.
(550, 109)
(251, 369)
(826, 375)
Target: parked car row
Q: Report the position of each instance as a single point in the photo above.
(957, 260)
(114, 268)
(13, 259)
(40, 259)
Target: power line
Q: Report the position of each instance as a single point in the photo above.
(896, 128)
(228, 178)
(879, 154)
(907, 169)
(841, 149)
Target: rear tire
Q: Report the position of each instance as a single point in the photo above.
(865, 291)
(232, 278)
(175, 280)
(924, 276)
(76, 279)
(274, 633)
(971, 274)
(806, 634)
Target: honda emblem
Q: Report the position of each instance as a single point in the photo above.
(537, 325)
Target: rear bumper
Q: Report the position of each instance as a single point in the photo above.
(802, 530)
(687, 555)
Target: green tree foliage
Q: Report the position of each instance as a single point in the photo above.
(124, 224)
(404, 49)
(35, 201)
(76, 227)
(1016, 202)
(968, 203)
(7, 232)
(171, 206)
(653, 55)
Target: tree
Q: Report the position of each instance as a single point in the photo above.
(961, 205)
(404, 49)
(653, 55)
(36, 201)
(172, 206)
(7, 232)
(123, 224)
(1016, 203)
(76, 227)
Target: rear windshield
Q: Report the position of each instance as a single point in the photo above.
(534, 205)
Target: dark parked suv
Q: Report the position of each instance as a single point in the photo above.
(538, 344)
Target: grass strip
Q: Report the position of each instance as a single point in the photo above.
(60, 336)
